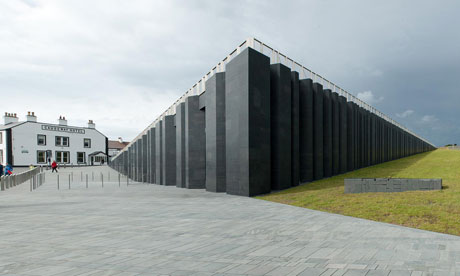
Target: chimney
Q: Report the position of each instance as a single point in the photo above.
(91, 124)
(31, 117)
(120, 140)
(10, 118)
(62, 121)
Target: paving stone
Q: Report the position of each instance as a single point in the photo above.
(147, 229)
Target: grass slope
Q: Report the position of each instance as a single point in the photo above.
(429, 210)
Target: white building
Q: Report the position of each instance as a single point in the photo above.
(31, 142)
(115, 146)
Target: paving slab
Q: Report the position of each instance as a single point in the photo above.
(148, 229)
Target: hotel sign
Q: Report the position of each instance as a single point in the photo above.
(63, 129)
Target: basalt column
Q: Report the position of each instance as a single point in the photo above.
(159, 152)
(306, 130)
(195, 144)
(144, 158)
(147, 155)
(125, 162)
(280, 114)
(215, 133)
(180, 145)
(169, 151)
(247, 132)
(357, 138)
(318, 158)
(350, 137)
(130, 161)
(139, 160)
(343, 125)
(335, 133)
(295, 147)
(327, 117)
(375, 119)
(136, 161)
(368, 138)
(152, 154)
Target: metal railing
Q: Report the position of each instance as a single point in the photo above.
(67, 180)
(275, 57)
(9, 181)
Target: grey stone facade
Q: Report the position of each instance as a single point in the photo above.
(388, 185)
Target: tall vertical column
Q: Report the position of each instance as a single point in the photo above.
(130, 161)
(180, 145)
(125, 162)
(368, 138)
(147, 156)
(379, 139)
(350, 137)
(169, 151)
(280, 128)
(159, 152)
(361, 138)
(152, 154)
(306, 130)
(144, 158)
(335, 133)
(373, 138)
(357, 139)
(295, 146)
(137, 162)
(318, 134)
(247, 132)
(195, 144)
(343, 125)
(327, 117)
(215, 133)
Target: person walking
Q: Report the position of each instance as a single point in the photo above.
(54, 166)
(8, 169)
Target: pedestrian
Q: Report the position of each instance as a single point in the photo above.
(8, 169)
(1, 169)
(54, 166)
(31, 167)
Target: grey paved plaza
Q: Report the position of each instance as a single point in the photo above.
(145, 229)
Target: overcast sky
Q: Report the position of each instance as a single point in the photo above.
(122, 63)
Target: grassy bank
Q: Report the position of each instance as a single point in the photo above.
(430, 210)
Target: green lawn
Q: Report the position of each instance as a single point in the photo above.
(430, 210)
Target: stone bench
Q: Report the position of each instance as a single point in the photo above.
(389, 185)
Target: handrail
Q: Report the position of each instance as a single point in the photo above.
(9, 181)
(275, 57)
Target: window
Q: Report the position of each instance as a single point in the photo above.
(99, 159)
(62, 157)
(62, 141)
(87, 143)
(80, 157)
(41, 140)
(41, 157)
(1, 137)
(1, 155)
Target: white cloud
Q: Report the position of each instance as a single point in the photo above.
(429, 119)
(405, 114)
(369, 97)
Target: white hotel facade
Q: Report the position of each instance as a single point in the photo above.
(31, 142)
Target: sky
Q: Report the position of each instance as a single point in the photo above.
(122, 63)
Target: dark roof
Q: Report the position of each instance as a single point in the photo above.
(96, 153)
(117, 144)
(11, 125)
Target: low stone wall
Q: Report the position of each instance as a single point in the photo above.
(389, 185)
